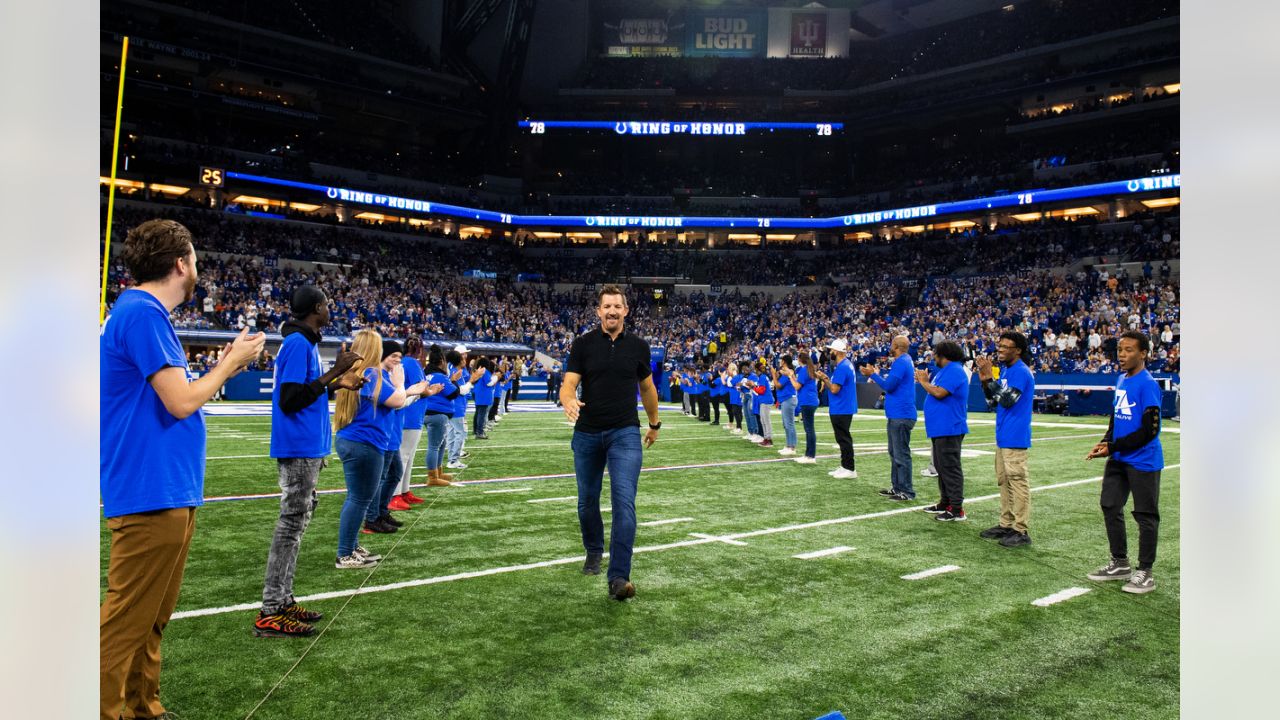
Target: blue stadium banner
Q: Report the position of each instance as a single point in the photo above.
(726, 32)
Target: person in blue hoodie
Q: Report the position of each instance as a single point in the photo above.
(946, 422)
(1135, 458)
(900, 413)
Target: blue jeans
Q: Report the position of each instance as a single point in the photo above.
(362, 467)
(810, 434)
(392, 471)
(434, 427)
(478, 422)
(753, 422)
(900, 455)
(455, 436)
(619, 449)
(789, 419)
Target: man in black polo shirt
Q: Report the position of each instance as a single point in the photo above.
(610, 364)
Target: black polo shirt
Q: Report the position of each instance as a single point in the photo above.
(611, 372)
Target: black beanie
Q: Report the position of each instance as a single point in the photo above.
(304, 300)
(391, 347)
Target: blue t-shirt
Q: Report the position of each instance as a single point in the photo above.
(735, 394)
(483, 393)
(766, 384)
(950, 415)
(439, 403)
(148, 459)
(460, 402)
(373, 420)
(1133, 396)
(413, 375)
(1013, 425)
(787, 391)
(899, 389)
(306, 433)
(808, 388)
(844, 402)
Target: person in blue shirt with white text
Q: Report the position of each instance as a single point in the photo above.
(807, 399)
(1012, 395)
(900, 416)
(377, 518)
(301, 439)
(946, 422)
(152, 457)
(843, 406)
(1135, 458)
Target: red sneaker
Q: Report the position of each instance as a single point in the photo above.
(397, 503)
(412, 499)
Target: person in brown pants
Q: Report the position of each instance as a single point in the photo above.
(152, 445)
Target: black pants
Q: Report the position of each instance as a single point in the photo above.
(840, 425)
(715, 403)
(514, 394)
(735, 416)
(946, 460)
(704, 406)
(1119, 479)
(493, 411)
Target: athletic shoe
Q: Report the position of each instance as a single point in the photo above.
(386, 519)
(354, 562)
(377, 526)
(929, 472)
(620, 589)
(455, 465)
(766, 442)
(280, 625)
(592, 564)
(901, 497)
(362, 551)
(1014, 539)
(845, 474)
(412, 499)
(757, 439)
(787, 451)
(887, 492)
(996, 532)
(806, 460)
(951, 516)
(481, 437)
(726, 426)
(301, 614)
(936, 508)
(1142, 582)
(736, 431)
(464, 455)
(398, 504)
(1114, 570)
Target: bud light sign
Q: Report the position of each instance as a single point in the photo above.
(809, 35)
(726, 34)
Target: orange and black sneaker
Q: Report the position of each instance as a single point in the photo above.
(301, 614)
(280, 625)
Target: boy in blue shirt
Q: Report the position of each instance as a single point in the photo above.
(152, 449)
(301, 439)
(1011, 395)
(843, 406)
(900, 414)
(1134, 461)
(946, 422)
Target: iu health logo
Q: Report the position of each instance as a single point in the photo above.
(1124, 408)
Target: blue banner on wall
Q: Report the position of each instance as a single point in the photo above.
(725, 33)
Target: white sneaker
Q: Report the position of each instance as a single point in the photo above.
(787, 451)
(363, 552)
(832, 473)
(456, 465)
(725, 426)
(843, 474)
(806, 460)
(354, 562)
(749, 437)
(736, 431)
(757, 439)
(929, 472)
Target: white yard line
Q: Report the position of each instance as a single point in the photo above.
(1060, 596)
(718, 538)
(823, 553)
(655, 523)
(555, 499)
(507, 490)
(931, 572)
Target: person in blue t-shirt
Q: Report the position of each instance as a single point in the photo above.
(743, 388)
(732, 379)
(440, 409)
(363, 419)
(844, 405)
(482, 395)
(786, 386)
(716, 392)
(946, 422)
(1134, 461)
(151, 459)
(455, 436)
(301, 439)
(411, 435)
(1012, 395)
(900, 416)
(765, 377)
(377, 518)
(807, 399)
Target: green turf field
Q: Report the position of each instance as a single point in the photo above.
(717, 630)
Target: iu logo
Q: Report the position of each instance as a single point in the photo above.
(807, 31)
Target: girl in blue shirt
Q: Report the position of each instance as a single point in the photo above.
(807, 400)
(784, 380)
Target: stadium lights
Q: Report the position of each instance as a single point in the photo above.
(1027, 217)
(1162, 202)
(304, 207)
(254, 200)
(169, 189)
